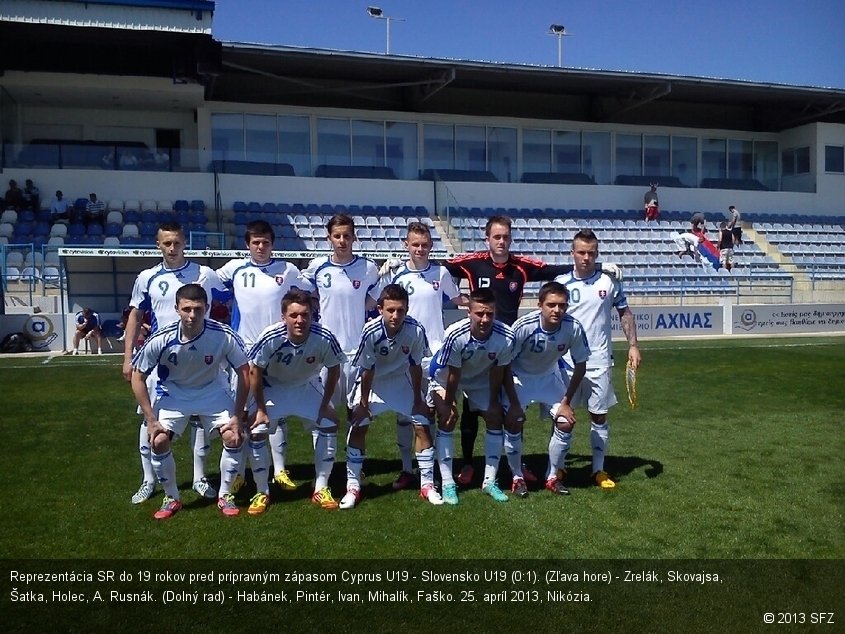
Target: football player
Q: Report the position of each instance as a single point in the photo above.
(285, 367)
(155, 291)
(189, 355)
(258, 284)
(592, 297)
(389, 358)
(541, 338)
(475, 355)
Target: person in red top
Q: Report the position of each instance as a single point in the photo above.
(506, 275)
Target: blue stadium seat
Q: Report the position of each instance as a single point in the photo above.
(181, 205)
(198, 205)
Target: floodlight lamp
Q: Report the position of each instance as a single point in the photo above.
(375, 12)
(557, 29)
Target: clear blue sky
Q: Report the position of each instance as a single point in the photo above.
(781, 41)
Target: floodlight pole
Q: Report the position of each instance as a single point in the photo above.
(378, 14)
(559, 31)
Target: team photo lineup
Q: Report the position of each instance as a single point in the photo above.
(343, 341)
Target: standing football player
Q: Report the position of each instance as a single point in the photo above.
(344, 283)
(258, 284)
(592, 297)
(428, 285)
(189, 355)
(155, 291)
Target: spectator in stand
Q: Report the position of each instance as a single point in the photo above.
(31, 196)
(61, 208)
(95, 210)
(726, 246)
(652, 208)
(14, 197)
(733, 224)
(698, 223)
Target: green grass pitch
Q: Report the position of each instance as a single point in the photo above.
(735, 450)
(731, 463)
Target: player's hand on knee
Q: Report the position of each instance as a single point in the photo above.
(360, 413)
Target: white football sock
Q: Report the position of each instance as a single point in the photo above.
(260, 462)
(405, 442)
(598, 440)
(445, 448)
(230, 459)
(279, 446)
(144, 450)
(165, 469)
(200, 447)
(324, 453)
(493, 441)
(425, 460)
(558, 448)
(354, 464)
(513, 451)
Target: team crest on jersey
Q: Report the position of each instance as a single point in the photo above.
(209, 359)
(310, 359)
(602, 293)
(513, 286)
(356, 284)
(561, 347)
(491, 356)
(280, 279)
(435, 285)
(405, 349)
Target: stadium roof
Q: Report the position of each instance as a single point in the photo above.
(317, 77)
(284, 75)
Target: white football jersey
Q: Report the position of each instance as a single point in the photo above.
(285, 362)
(426, 291)
(155, 289)
(389, 356)
(539, 352)
(474, 357)
(591, 301)
(343, 290)
(258, 290)
(190, 370)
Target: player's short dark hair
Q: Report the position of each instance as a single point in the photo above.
(418, 228)
(296, 296)
(587, 235)
(553, 288)
(171, 225)
(340, 220)
(192, 292)
(393, 292)
(497, 220)
(482, 296)
(259, 228)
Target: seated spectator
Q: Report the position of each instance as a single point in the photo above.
(14, 197)
(61, 209)
(31, 196)
(95, 210)
(88, 326)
